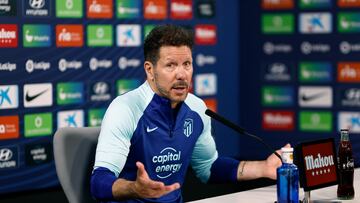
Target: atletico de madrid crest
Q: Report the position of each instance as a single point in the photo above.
(188, 127)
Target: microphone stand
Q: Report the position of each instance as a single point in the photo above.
(238, 129)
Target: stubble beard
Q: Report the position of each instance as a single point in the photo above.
(165, 93)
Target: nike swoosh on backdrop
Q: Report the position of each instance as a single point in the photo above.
(29, 98)
(150, 129)
(312, 97)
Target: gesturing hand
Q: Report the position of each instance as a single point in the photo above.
(144, 187)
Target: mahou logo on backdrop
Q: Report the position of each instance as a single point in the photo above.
(205, 34)
(8, 35)
(319, 163)
(278, 120)
(181, 9)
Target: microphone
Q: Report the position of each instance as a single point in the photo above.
(238, 129)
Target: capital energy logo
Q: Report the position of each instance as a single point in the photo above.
(277, 71)
(348, 3)
(95, 117)
(9, 98)
(69, 36)
(99, 8)
(349, 120)
(8, 8)
(315, 121)
(155, 9)
(38, 124)
(348, 22)
(37, 8)
(315, 72)
(124, 63)
(128, 35)
(205, 8)
(277, 96)
(38, 95)
(167, 162)
(348, 72)
(70, 93)
(205, 34)
(9, 127)
(270, 48)
(65, 64)
(123, 86)
(38, 153)
(314, 48)
(278, 120)
(128, 9)
(314, 4)
(95, 64)
(315, 23)
(181, 9)
(100, 91)
(99, 35)
(9, 157)
(277, 23)
(31, 65)
(349, 97)
(8, 35)
(69, 8)
(202, 60)
(206, 84)
(36, 35)
(315, 96)
(74, 118)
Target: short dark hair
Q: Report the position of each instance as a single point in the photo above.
(166, 35)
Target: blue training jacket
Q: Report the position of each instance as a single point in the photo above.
(140, 126)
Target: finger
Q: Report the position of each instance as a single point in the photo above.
(156, 185)
(141, 169)
(172, 187)
(288, 145)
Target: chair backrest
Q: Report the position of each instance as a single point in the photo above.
(74, 153)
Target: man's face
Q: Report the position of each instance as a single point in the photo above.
(172, 73)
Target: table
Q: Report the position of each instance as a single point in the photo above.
(268, 194)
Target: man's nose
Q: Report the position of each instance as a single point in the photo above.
(180, 73)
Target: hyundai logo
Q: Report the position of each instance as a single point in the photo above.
(37, 4)
(100, 88)
(353, 93)
(5, 154)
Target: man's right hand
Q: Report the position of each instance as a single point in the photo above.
(142, 187)
(147, 188)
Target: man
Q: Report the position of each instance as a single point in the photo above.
(149, 136)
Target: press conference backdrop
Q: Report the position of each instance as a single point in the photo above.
(299, 71)
(63, 61)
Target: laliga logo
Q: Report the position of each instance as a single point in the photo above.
(202, 60)
(166, 160)
(124, 63)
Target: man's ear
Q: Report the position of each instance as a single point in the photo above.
(149, 70)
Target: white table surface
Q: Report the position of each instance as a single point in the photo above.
(268, 195)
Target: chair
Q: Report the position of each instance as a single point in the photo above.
(74, 153)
